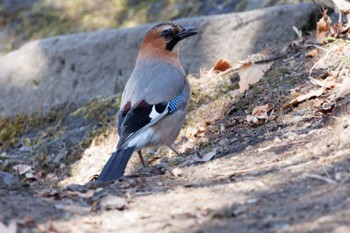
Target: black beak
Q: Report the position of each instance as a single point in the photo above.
(187, 32)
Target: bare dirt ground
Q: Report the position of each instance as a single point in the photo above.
(285, 172)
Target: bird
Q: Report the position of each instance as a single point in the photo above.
(155, 98)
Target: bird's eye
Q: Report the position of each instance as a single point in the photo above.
(167, 34)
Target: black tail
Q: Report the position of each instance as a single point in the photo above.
(115, 167)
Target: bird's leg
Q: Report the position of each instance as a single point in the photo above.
(172, 148)
(141, 158)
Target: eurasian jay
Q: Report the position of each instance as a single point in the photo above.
(155, 99)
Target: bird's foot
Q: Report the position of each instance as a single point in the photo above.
(144, 162)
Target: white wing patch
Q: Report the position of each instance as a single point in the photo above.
(141, 139)
(154, 114)
(147, 128)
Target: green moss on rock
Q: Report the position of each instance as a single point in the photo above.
(67, 128)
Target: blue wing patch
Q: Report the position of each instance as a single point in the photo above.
(173, 104)
(133, 120)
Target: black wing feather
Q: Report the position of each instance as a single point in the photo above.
(122, 114)
(138, 117)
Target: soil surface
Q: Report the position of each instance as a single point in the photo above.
(285, 172)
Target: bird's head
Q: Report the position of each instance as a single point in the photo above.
(164, 39)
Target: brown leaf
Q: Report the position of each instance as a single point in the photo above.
(261, 111)
(322, 28)
(252, 120)
(251, 73)
(314, 93)
(187, 146)
(312, 53)
(221, 65)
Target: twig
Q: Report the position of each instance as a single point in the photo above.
(333, 157)
(325, 171)
(325, 57)
(228, 71)
(298, 32)
(316, 46)
(299, 165)
(318, 177)
(319, 6)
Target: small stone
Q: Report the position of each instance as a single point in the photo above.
(77, 187)
(22, 168)
(338, 176)
(224, 142)
(29, 175)
(177, 172)
(233, 140)
(277, 140)
(222, 128)
(7, 178)
(113, 202)
(290, 136)
(252, 201)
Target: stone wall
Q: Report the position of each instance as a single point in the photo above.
(64, 68)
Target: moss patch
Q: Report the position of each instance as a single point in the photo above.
(58, 135)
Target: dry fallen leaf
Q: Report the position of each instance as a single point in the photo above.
(261, 111)
(221, 65)
(197, 134)
(251, 73)
(327, 83)
(322, 28)
(22, 168)
(253, 120)
(312, 53)
(187, 146)
(314, 93)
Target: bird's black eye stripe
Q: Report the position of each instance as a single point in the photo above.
(171, 44)
(167, 34)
